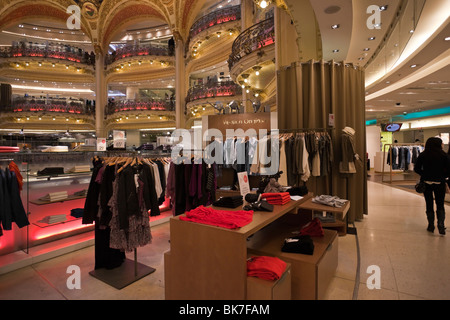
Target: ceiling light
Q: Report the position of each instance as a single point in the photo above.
(336, 50)
(371, 38)
(447, 38)
(335, 26)
(366, 49)
(40, 64)
(383, 8)
(411, 31)
(218, 34)
(413, 65)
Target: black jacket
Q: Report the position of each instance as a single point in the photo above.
(12, 209)
(432, 166)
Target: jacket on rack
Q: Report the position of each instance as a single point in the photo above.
(11, 206)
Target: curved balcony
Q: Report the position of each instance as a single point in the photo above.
(139, 105)
(214, 18)
(139, 51)
(59, 52)
(213, 90)
(254, 38)
(42, 106)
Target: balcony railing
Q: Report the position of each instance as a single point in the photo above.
(215, 18)
(36, 50)
(139, 51)
(51, 106)
(213, 90)
(139, 105)
(257, 36)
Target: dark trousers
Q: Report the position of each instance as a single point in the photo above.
(435, 193)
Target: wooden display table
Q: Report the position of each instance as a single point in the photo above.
(311, 274)
(340, 214)
(207, 262)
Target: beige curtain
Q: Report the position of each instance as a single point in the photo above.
(307, 94)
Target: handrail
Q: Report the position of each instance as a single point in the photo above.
(214, 18)
(257, 36)
(213, 90)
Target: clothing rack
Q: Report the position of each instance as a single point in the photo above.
(390, 145)
(302, 130)
(130, 271)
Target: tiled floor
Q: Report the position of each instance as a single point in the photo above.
(413, 263)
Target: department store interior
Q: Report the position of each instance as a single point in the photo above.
(92, 88)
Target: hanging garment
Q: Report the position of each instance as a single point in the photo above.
(130, 225)
(11, 206)
(283, 180)
(349, 155)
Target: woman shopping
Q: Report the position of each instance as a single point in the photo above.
(433, 166)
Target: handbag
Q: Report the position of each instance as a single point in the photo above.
(420, 187)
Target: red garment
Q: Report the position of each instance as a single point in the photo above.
(13, 167)
(313, 228)
(267, 268)
(220, 218)
(280, 198)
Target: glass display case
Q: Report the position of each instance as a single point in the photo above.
(53, 195)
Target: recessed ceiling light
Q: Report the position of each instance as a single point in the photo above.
(413, 65)
(335, 26)
(336, 50)
(371, 38)
(447, 38)
(383, 8)
(366, 49)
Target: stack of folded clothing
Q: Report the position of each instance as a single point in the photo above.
(51, 171)
(268, 268)
(54, 218)
(220, 218)
(7, 149)
(77, 212)
(299, 244)
(332, 201)
(54, 196)
(312, 228)
(229, 202)
(277, 198)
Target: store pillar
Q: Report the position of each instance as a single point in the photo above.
(180, 83)
(101, 94)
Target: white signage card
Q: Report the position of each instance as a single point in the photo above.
(119, 138)
(101, 144)
(244, 186)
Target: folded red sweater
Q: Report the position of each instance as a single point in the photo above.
(220, 218)
(268, 268)
(280, 198)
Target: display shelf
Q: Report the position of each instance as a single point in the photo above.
(42, 202)
(43, 224)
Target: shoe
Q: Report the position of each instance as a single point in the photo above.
(430, 228)
(441, 230)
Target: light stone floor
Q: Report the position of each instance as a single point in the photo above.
(413, 263)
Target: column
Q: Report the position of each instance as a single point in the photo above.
(101, 95)
(180, 83)
(247, 7)
(132, 93)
